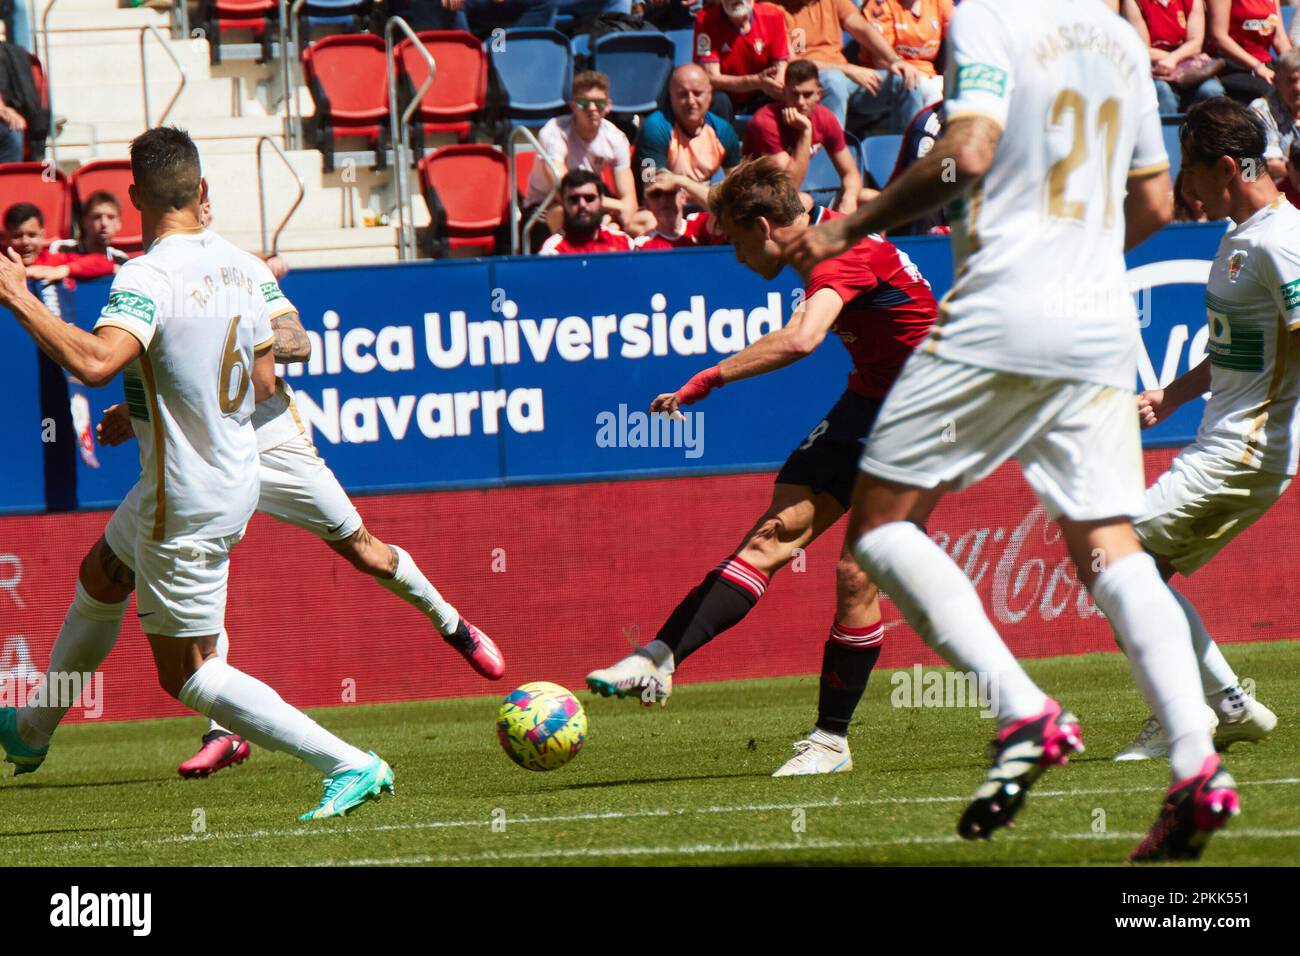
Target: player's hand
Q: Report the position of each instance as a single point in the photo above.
(114, 426)
(796, 120)
(665, 404)
(13, 277)
(1152, 407)
(912, 77)
(816, 244)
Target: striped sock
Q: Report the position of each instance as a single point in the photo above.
(847, 662)
(717, 603)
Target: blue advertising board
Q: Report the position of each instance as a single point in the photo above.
(483, 372)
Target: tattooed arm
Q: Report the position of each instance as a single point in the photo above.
(291, 341)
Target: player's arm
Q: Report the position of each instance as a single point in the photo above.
(959, 159)
(292, 344)
(1148, 207)
(264, 374)
(882, 54)
(1157, 404)
(797, 339)
(93, 357)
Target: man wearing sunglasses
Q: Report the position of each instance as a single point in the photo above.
(582, 194)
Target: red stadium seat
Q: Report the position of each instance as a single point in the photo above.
(467, 189)
(256, 16)
(44, 187)
(524, 162)
(114, 176)
(347, 75)
(32, 150)
(460, 82)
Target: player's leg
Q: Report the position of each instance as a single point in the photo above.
(182, 602)
(221, 747)
(299, 488)
(848, 657)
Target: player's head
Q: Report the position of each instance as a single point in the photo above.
(101, 221)
(803, 86)
(738, 10)
(1223, 153)
(666, 202)
(756, 206)
(690, 90)
(165, 166)
(590, 101)
(1286, 79)
(25, 226)
(581, 192)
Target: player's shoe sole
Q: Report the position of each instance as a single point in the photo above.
(1024, 750)
(351, 789)
(25, 758)
(219, 750)
(1193, 809)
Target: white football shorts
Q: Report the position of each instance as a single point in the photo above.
(299, 488)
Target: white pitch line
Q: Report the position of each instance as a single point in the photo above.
(785, 846)
(835, 803)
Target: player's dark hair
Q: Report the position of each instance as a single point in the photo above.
(801, 71)
(101, 197)
(757, 187)
(19, 213)
(165, 164)
(580, 177)
(1220, 127)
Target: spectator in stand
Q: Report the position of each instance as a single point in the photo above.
(915, 30)
(792, 130)
(1280, 111)
(691, 141)
(581, 191)
(101, 221)
(479, 17)
(582, 9)
(1247, 34)
(1175, 35)
(667, 14)
(743, 47)
(586, 140)
(25, 227)
(675, 228)
(857, 95)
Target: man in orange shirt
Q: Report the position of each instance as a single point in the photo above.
(855, 94)
(913, 28)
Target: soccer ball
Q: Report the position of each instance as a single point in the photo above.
(541, 726)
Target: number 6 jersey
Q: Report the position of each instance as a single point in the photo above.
(195, 304)
(1038, 244)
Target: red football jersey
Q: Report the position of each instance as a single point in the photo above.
(1166, 21)
(695, 233)
(888, 308)
(605, 240)
(718, 41)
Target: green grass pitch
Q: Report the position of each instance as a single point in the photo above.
(686, 784)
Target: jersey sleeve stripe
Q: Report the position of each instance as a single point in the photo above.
(263, 346)
(289, 309)
(135, 334)
(1148, 170)
(962, 114)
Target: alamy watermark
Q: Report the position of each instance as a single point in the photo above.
(68, 690)
(919, 687)
(624, 429)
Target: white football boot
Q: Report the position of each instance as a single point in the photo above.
(819, 752)
(646, 673)
(1252, 724)
(1152, 741)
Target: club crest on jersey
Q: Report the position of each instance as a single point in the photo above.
(758, 47)
(702, 45)
(1235, 262)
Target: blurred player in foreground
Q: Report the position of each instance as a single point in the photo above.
(1246, 449)
(188, 324)
(880, 306)
(1053, 157)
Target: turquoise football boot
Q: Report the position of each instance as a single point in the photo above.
(350, 789)
(25, 758)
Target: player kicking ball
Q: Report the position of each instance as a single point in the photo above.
(1246, 448)
(877, 302)
(189, 325)
(1053, 161)
(298, 488)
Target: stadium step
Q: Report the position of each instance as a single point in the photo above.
(326, 247)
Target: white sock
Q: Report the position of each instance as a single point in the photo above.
(223, 652)
(941, 605)
(1218, 679)
(1155, 636)
(409, 583)
(829, 739)
(255, 711)
(89, 632)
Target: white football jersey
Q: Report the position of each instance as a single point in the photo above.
(195, 304)
(1038, 244)
(275, 419)
(1252, 302)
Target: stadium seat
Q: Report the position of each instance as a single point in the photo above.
(36, 134)
(31, 182)
(114, 176)
(683, 45)
(638, 65)
(534, 68)
(880, 156)
(347, 75)
(467, 189)
(460, 83)
(822, 180)
(1173, 148)
(351, 14)
(216, 17)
